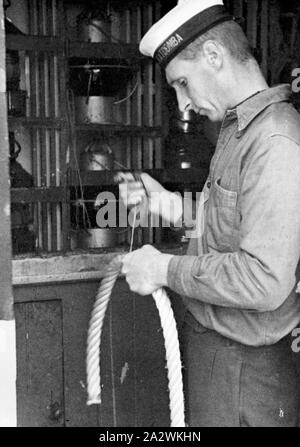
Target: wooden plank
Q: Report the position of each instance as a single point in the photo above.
(35, 174)
(53, 159)
(39, 194)
(59, 180)
(252, 22)
(54, 17)
(277, 57)
(48, 81)
(62, 138)
(40, 390)
(127, 112)
(33, 17)
(33, 82)
(151, 375)
(123, 352)
(44, 18)
(147, 112)
(55, 123)
(60, 21)
(147, 109)
(136, 117)
(59, 227)
(158, 105)
(44, 183)
(164, 176)
(238, 8)
(76, 310)
(33, 43)
(40, 23)
(135, 130)
(34, 155)
(53, 183)
(41, 86)
(48, 184)
(49, 18)
(65, 211)
(158, 101)
(105, 50)
(264, 36)
(6, 299)
(124, 34)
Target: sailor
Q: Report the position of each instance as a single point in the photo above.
(238, 277)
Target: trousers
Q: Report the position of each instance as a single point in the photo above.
(227, 384)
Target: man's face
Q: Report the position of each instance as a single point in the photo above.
(196, 86)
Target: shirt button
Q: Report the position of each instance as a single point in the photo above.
(208, 184)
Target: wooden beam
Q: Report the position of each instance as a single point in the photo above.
(54, 123)
(74, 48)
(104, 50)
(134, 130)
(8, 411)
(6, 300)
(164, 176)
(32, 195)
(30, 43)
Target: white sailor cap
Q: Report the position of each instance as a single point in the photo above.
(180, 26)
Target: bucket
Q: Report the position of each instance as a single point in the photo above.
(94, 109)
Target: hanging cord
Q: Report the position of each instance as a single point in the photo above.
(176, 403)
(129, 94)
(71, 121)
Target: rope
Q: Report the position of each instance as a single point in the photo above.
(176, 403)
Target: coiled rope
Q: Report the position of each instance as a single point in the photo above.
(176, 403)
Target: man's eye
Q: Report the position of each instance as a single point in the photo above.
(183, 83)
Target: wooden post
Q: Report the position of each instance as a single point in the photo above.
(8, 413)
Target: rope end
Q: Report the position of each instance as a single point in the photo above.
(94, 400)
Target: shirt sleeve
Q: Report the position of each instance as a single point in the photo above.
(260, 275)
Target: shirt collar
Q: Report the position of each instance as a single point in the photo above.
(250, 108)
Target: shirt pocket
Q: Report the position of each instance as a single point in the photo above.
(221, 214)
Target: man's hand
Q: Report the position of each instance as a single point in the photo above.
(146, 269)
(151, 194)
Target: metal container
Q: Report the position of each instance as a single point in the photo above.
(12, 66)
(97, 156)
(16, 102)
(98, 237)
(94, 109)
(98, 77)
(94, 25)
(94, 29)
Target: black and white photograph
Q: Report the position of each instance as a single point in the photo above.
(149, 218)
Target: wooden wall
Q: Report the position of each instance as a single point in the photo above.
(52, 322)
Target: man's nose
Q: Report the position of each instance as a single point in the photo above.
(184, 103)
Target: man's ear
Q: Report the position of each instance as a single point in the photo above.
(213, 54)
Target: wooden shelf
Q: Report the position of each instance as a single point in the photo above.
(55, 123)
(53, 194)
(74, 48)
(139, 131)
(104, 50)
(163, 176)
(33, 43)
